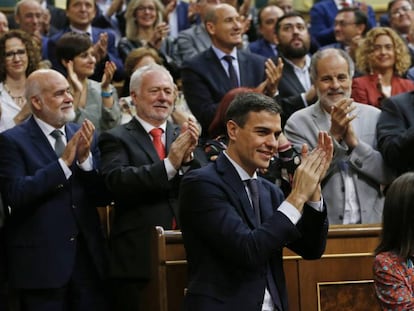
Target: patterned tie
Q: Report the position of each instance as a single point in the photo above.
(254, 196)
(232, 72)
(59, 144)
(156, 134)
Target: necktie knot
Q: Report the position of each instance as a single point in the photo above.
(156, 134)
(234, 82)
(59, 144)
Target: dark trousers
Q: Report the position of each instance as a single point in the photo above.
(85, 290)
(127, 295)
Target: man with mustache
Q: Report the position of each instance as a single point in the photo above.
(352, 186)
(295, 88)
(56, 254)
(142, 163)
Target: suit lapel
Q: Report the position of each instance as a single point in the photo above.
(40, 141)
(232, 179)
(222, 78)
(141, 138)
(322, 123)
(291, 80)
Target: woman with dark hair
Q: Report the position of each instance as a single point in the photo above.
(19, 56)
(282, 165)
(394, 260)
(95, 101)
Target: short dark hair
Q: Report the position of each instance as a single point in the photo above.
(398, 218)
(71, 44)
(245, 103)
(287, 15)
(360, 17)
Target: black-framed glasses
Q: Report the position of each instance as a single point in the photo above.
(12, 54)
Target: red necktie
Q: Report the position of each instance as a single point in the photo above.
(156, 134)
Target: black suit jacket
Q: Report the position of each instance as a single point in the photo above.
(144, 197)
(395, 132)
(290, 89)
(205, 81)
(227, 251)
(48, 211)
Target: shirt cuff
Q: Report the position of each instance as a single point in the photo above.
(86, 165)
(169, 168)
(292, 212)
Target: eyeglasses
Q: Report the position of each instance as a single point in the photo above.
(402, 10)
(12, 54)
(146, 8)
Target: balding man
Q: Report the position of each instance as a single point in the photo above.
(28, 16)
(212, 73)
(267, 18)
(4, 24)
(48, 178)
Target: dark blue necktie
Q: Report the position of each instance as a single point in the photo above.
(232, 72)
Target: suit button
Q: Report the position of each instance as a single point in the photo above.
(60, 186)
(72, 238)
(73, 206)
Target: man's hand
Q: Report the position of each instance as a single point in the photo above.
(85, 140)
(341, 118)
(273, 76)
(184, 145)
(311, 171)
(100, 48)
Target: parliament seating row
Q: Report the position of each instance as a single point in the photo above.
(340, 280)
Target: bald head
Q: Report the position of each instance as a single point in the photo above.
(28, 15)
(48, 93)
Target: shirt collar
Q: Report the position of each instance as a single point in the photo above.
(220, 53)
(45, 127)
(88, 30)
(242, 173)
(148, 127)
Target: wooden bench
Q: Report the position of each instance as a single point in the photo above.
(340, 280)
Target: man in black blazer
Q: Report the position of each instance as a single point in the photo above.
(143, 182)
(234, 234)
(56, 255)
(395, 132)
(206, 77)
(295, 88)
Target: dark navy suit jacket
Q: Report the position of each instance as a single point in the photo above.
(48, 211)
(227, 251)
(205, 81)
(322, 18)
(112, 54)
(262, 47)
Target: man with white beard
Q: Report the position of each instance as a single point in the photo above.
(352, 186)
(54, 244)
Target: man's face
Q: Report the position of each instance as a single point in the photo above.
(401, 16)
(269, 17)
(55, 104)
(226, 32)
(154, 101)
(81, 13)
(333, 82)
(285, 5)
(345, 27)
(253, 145)
(293, 37)
(29, 17)
(4, 24)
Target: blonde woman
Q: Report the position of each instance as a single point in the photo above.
(383, 58)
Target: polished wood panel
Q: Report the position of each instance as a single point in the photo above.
(347, 260)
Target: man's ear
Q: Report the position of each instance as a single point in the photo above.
(232, 129)
(36, 103)
(210, 28)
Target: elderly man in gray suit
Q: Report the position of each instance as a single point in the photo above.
(196, 39)
(353, 184)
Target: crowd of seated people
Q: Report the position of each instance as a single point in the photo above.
(201, 54)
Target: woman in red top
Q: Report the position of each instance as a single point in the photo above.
(383, 57)
(393, 264)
